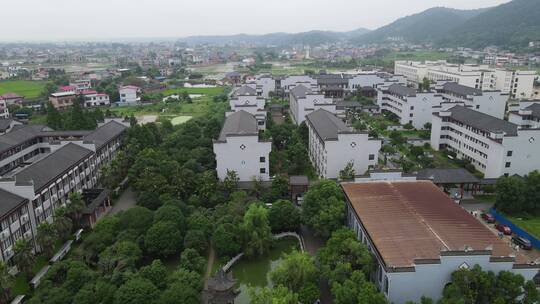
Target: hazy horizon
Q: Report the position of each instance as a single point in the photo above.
(60, 20)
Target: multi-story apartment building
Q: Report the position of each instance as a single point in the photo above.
(494, 146)
(333, 145)
(526, 117)
(290, 82)
(4, 111)
(63, 100)
(517, 84)
(264, 84)
(81, 84)
(246, 98)
(240, 149)
(419, 236)
(42, 167)
(373, 79)
(412, 107)
(492, 103)
(332, 85)
(304, 100)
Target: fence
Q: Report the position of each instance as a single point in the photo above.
(515, 229)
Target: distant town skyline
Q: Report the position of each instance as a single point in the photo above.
(122, 19)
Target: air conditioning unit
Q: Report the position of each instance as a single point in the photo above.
(72, 183)
(24, 218)
(28, 234)
(39, 210)
(9, 253)
(4, 235)
(61, 192)
(54, 197)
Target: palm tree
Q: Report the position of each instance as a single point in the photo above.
(46, 235)
(6, 282)
(75, 208)
(62, 223)
(24, 257)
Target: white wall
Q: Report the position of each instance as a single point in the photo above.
(354, 148)
(246, 162)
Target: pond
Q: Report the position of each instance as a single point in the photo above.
(256, 272)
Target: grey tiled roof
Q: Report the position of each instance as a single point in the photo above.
(327, 125)
(298, 180)
(239, 123)
(300, 91)
(18, 135)
(401, 90)
(245, 90)
(482, 121)
(461, 90)
(535, 108)
(9, 201)
(447, 176)
(105, 133)
(53, 165)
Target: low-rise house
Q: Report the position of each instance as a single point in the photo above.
(4, 111)
(303, 101)
(494, 146)
(333, 145)
(419, 237)
(63, 100)
(129, 95)
(240, 149)
(94, 99)
(12, 99)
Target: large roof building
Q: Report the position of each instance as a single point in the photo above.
(419, 236)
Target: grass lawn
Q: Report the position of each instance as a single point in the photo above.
(204, 91)
(531, 225)
(22, 285)
(26, 88)
(178, 120)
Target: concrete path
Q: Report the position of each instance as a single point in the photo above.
(313, 243)
(209, 265)
(126, 201)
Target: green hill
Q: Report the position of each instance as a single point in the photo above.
(513, 24)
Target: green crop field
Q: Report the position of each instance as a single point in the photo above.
(26, 88)
(204, 91)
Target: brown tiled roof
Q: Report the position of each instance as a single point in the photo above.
(415, 220)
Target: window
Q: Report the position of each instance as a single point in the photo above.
(411, 115)
(508, 164)
(371, 156)
(386, 284)
(262, 170)
(477, 107)
(262, 159)
(509, 153)
(412, 108)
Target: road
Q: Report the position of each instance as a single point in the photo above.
(126, 201)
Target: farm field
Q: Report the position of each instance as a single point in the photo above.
(212, 91)
(26, 88)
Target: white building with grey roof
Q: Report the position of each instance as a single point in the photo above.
(240, 149)
(247, 98)
(333, 145)
(526, 115)
(411, 106)
(492, 102)
(305, 100)
(494, 146)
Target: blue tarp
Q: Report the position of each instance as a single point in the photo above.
(515, 229)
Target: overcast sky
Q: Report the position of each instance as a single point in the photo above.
(24, 20)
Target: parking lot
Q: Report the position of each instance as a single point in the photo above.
(477, 208)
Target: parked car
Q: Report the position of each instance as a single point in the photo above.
(488, 218)
(522, 242)
(504, 229)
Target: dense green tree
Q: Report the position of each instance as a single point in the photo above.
(296, 270)
(191, 260)
(155, 273)
(196, 239)
(163, 239)
(121, 256)
(54, 118)
(187, 278)
(23, 255)
(179, 293)
(136, 218)
(348, 173)
(137, 291)
(6, 283)
(230, 182)
(62, 223)
(46, 237)
(75, 208)
(256, 231)
(284, 216)
(323, 208)
(170, 213)
(276, 295)
(510, 193)
(356, 289)
(226, 240)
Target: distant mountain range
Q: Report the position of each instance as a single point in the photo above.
(512, 24)
(279, 39)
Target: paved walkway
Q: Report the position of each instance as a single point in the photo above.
(126, 201)
(209, 265)
(313, 243)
